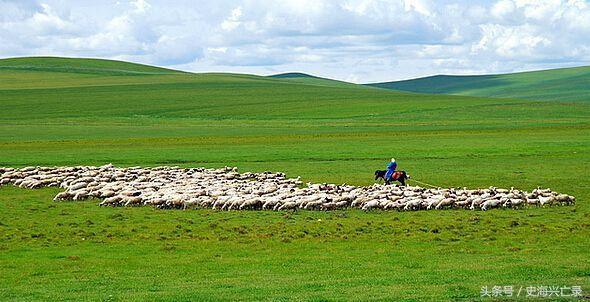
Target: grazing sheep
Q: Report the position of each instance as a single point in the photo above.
(251, 203)
(359, 202)
(156, 201)
(413, 204)
(371, 205)
(131, 200)
(515, 202)
(432, 202)
(564, 198)
(341, 204)
(476, 202)
(62, 196)
(445, 202)
(491, 203)
(78, 186)
(227, 189)
(288, 206)
(269, 204)
(190, 203)
(532, 201)
(107, 193)
(546, 200)
(111, 201)
(80, 195)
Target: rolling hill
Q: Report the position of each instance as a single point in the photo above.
(58, 111)
(304, 78)
(75, 65)
(567, 84)
(291, 75)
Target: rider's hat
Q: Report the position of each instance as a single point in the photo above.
(392, 160)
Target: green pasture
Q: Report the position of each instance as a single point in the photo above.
(57, 111)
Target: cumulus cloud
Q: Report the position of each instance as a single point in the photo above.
(359, 40)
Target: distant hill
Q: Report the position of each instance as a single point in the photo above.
(290, 75)
(78, 65)
(49, 88)
(559, 84)
(39, 72)
(311, 79)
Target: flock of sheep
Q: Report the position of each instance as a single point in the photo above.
(226, 189)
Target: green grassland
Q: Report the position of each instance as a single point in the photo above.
(565, 84)
(56, 111)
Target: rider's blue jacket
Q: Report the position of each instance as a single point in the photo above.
(390, 169)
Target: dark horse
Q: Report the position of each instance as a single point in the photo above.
(400, 176)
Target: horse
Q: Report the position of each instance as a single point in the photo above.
(400, 176)
(380, 174)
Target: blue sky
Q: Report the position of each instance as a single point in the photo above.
(355, 40)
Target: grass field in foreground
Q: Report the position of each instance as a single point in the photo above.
(54, 114)
(78, 251)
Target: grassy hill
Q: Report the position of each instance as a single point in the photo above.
(73, 111)
(566, 84)
(303, 78)
(75, 65)
(291, 75)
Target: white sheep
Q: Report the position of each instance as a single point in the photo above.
(546, 200)
(288, 205)
(490, 203)
(371, 204)
(445, 202)
(413, 204)
(226, 188)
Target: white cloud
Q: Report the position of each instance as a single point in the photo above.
(511, 42)
(233, 21)
(419, 6)
(141, 6)
(47, 21)
(503, 8)
(360, 40)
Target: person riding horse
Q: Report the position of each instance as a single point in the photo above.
(390, 169)
(390, 174)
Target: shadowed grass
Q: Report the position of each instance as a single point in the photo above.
(564, 84)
